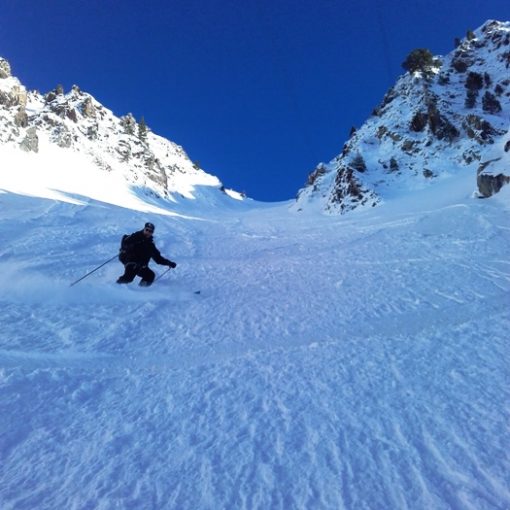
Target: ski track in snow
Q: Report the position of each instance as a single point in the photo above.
(357, 363)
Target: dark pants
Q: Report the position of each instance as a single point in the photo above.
(131, 269)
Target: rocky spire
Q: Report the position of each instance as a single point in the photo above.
(5, 68)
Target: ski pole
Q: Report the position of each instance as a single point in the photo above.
(162, 274)
(90, 272)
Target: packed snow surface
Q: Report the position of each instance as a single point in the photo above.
(359, 362)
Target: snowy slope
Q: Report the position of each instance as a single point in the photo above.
(453, 117)
(75, 128)
(356, 362)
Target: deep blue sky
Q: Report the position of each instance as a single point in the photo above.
(257, 91)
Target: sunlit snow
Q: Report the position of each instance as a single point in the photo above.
(358, 362)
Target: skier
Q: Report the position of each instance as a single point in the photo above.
(136, 251)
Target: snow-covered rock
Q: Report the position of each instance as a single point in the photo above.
(5, 68)
(494, 172)
(77, 123)
(453, 114)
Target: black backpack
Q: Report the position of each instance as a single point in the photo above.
(124, 248)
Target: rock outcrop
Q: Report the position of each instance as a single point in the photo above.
(75, 121)
(449, 115)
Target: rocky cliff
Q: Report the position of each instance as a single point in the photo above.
(75, 121)
(445, 115)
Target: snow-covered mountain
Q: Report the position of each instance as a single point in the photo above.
(449, 114)
(329, 362)
(75, 127)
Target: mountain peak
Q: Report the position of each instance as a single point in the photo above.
(76, 123)
(445, 115)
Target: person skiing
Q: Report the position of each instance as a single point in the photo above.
(136, 251)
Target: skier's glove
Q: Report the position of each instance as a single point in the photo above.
(171, 264)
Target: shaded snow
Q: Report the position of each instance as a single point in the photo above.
(357, 362)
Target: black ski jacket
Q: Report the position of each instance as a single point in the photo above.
(140, 249)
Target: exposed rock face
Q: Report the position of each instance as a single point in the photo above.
(489, 184)
(448, 118)
(349, 193)
(21, 118)
(31, 141)
(87, 109)
(320, 170)
(16, 96)
(494, 173)
(5, 68)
